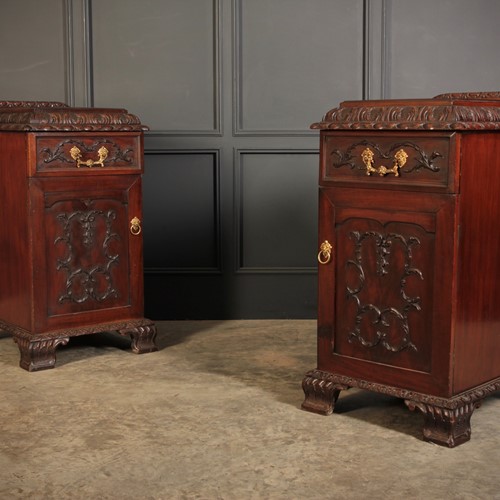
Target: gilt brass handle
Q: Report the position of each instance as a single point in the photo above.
(399, 160)
(135, 226)
(325, 252)
(76, 154)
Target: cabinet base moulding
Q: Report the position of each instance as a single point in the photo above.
(38, 351)
(446, 420)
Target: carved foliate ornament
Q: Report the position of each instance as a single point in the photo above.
(443, 112)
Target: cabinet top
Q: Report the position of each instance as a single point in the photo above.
(455, 111)
(56, 116)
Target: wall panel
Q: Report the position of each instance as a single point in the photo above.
(293, 58)
(159, 60)
(33, 50)
(181, 212)
(277, 207)
(442, 46)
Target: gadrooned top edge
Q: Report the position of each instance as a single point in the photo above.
(455, 111)
(56, 116)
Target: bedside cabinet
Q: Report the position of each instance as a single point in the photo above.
(71, 211)
(409, 267)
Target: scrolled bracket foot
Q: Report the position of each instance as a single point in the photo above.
(448, 427)
(38, 354)
(321, 392)
(143, 338)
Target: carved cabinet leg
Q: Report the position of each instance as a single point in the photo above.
(321, 392)
(446, 426)
(143, 338)
(38, 354)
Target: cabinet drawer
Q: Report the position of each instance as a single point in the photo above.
(421, 161)
(85, 154)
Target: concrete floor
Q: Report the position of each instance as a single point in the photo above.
(215, 415)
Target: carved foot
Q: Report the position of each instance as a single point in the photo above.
(143, 338)
(321, 391)
(39, 354)
(446, 426)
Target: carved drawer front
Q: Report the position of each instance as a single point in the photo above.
(396, 160)
(84, 154)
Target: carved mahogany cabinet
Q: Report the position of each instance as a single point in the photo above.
(409, 267)
(71, 243)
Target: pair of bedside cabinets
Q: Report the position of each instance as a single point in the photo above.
(409, 257)
(71, 242)
(409, 241)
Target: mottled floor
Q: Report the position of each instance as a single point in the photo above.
(215, 415)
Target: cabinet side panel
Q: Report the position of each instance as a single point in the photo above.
(477, 341)
(15, 241)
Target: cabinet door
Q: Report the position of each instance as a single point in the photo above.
(87, 260)
(386, 292)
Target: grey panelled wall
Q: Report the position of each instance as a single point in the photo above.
(229, 88)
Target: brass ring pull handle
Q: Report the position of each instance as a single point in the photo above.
(135, 226)
(399, 160)
(76, 154)
(325, 252)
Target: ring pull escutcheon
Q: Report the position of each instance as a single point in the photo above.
(325, 252)
(135, 226)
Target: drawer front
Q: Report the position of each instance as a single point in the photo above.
(86, 154)
(391, 160)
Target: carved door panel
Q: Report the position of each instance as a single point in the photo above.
(386, 294)
(90, 255)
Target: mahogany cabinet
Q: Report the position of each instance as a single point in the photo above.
(409, 268)
(71, 242)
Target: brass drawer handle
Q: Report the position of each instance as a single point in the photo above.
(76, 154)
(399, 160)
(135, 226)
(325, 252)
